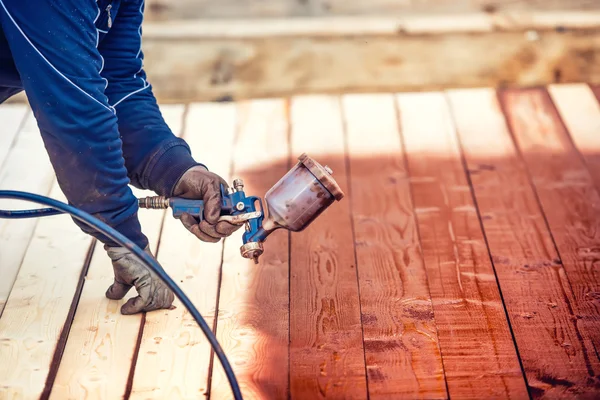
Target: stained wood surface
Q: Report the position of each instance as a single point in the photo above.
(580, 112)
(570, 202)
(174, 356)
(39, 304)
(326, 344)
(205, 9)
(26, 168)
(478, 352)
(101, 340)
(400, 338)
(253, 324)
(537, 295)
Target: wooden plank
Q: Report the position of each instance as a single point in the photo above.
(326, 349)
(401, 346)
(187, 9)
(209, 67)
(26, 168)
(580, 112)
(480, 360)
(12, 116)
(536, 291)
(102, 342)
(174, 355)
(569, 199)
(253, 324)
(39, 304)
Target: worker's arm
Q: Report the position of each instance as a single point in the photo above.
(155, 158)
(53, 44)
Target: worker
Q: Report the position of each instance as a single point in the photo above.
(80, 64)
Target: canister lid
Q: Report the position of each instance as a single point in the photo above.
(323, 174)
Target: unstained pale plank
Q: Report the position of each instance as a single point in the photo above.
(400, 338)
(536, 291)
(326, 349)
(479, 356)
(26, 168)
(580, 111)
(39, 304)
(11, 118)
(174, 355)
(101, 345)
(570, 202)
(253, 324)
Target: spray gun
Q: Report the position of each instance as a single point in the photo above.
(296, 200)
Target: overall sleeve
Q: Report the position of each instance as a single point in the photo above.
(154, 156)
(54, 46)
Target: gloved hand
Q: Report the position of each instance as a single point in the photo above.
(199, 183)
(153, 293)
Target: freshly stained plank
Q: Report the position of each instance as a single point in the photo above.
(26, 168)
(478, 352)
(569, 199)
(536, 291)
(326, 349)
(253, 324)
(401, 346)
(11, 118)
(39, 304)
(174, 356)
(101, 344)
(580, 112)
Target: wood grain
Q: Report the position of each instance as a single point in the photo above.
(174, 355)
(580, 112)
(570, 202)
(253, 324)
(205, 9)
(478, 352)
(537, 295)
(101, 345)
(39, 303)
(326, 349)
(401, 345)
(25, 168)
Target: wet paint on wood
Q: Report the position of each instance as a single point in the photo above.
(570, 202)
(537, 294)
(478, 352)
(326, 347)
(400, 338)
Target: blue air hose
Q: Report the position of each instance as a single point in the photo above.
(58, 207)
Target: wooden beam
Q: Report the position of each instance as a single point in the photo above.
(400, 338)
(536, 292)
(478, 352)
(25, 168)
(326, 347)
(569, 199)
(102, 342)
(253, 324)
(36, 313)
(174, 355)
(216, 60)
(254, 9)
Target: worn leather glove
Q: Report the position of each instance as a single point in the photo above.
(199, 183)
(153, 293)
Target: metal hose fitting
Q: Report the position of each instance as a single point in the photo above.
(154, 202)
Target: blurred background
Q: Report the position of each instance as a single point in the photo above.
(199, 50)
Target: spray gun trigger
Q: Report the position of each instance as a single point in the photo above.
(240, 218)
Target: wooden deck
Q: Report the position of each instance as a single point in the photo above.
(463, 262)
